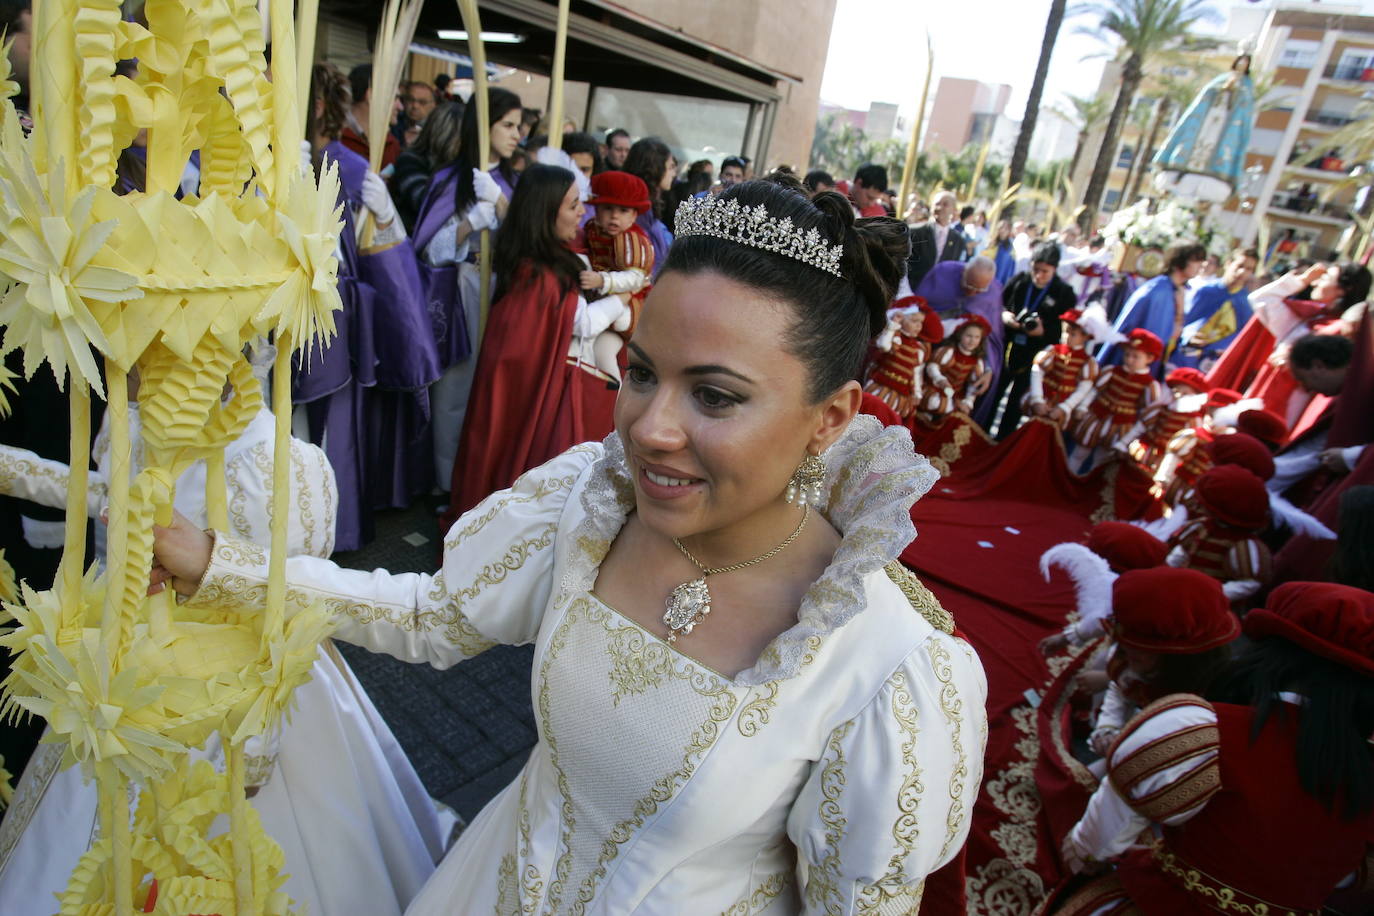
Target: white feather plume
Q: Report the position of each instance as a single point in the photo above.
(1164, 527)
(1094, 321)
(1225, 419)
(1298, 520)
(1092, 577)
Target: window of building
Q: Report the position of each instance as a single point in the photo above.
(1112, 199)
(1299, 53)
(1125, 157)
(1265, 141)
(1355, 64)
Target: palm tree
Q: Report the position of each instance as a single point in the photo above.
(1140, 119)
(1143, 29)
(1023, 140)
(1089, 112)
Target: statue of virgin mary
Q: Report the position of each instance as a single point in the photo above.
(1204, 155)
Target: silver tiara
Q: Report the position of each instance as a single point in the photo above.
(754, 227)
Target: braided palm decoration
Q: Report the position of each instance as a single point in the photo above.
(99, 286)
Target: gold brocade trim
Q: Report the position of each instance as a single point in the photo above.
(38, 775)
(822, 887)
(951, 450)
(953, 707)
(1107, 511)
(1166, 751)
(1081, 774)
(905, 829)
(884, 899)
(543, 489)
(758, 899)
(304, 517)
(757, 712)
(507, 897)
(706, 684)
(257, 769)
(922, 600)
(1214, 893)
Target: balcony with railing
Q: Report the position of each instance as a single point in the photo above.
(1329, 165)
(1309, 205)
(1327, 118)
(1349, 72)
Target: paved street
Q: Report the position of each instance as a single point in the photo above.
(469, 729)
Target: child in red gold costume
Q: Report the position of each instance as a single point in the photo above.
(1222, 538)
(1111, 416)
(1061, 376)
(1188, 456)
(1187, 388)
(621, 257)
(956, 369)
(1259, 790)
(901, 353)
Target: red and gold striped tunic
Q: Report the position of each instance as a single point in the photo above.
(1119, 400)
(895, 377)
(1065, 369)
(1225, 554)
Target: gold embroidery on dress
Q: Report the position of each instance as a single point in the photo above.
(921, 598)
(822, 887)
(705, 683)
(758, 899)
(304, 516)
(638, 664)
(953, 707)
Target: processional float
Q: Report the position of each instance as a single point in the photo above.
(101, 286)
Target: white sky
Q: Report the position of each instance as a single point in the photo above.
(878, 50)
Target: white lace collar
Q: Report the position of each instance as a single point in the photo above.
(873, 476)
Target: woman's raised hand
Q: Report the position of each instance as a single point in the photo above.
(181, 554)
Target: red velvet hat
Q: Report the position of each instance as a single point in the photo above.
(620, 189)
(1072, 316)
(1333, 621)
(1234, 496)
(1265, 425)
(1141, 339)
(1244, 451)
(1222, 397)
(931, 329)
(1177, 611)
(1125, 546)
(1190, 377)
(967, 319)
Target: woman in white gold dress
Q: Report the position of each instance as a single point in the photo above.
(800, 732)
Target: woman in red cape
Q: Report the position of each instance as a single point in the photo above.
(1280, 319)
(533, 397)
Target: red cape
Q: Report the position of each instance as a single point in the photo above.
(527, 404)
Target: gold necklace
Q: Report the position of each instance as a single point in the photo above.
(690, 602)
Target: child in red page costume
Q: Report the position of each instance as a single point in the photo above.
(1061, 376)
(621, 258)
(956, 368)
(1111, 417)
(901, 350)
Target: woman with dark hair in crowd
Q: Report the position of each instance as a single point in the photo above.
(1262, 795)
(536, 393)
(740, 689)
(365, 395)
(653, 162)
(470, 193)
(438, 144)
(1313, 301)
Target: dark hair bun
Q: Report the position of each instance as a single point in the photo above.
(875, 252)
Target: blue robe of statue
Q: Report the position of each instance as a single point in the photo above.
(1214, 317)
(1212, 136)
(1150, 307)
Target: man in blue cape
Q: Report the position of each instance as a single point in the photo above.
(1216, 313)
(1158, 305)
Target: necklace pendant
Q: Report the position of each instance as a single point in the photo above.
(687, 605)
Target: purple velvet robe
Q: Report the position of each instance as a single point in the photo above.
(943, 289)
(367, 391)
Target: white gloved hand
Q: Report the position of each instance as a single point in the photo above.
(483, 216)
(488, 191)
(377, 199)
(307, 159)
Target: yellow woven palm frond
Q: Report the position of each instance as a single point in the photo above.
(6, 788)
(6, 385)
(303, 307)
(8, 87)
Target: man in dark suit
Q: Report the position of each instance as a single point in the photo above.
(936, 240)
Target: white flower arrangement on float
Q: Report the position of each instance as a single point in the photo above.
(1170, 222)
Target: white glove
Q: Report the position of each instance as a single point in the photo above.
(483, 216)
(307, 159)
(376, 199)
(488, 191)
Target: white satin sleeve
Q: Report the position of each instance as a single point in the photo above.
(494, 583)
(25, 475)
(1163, 769)
(891, 798)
